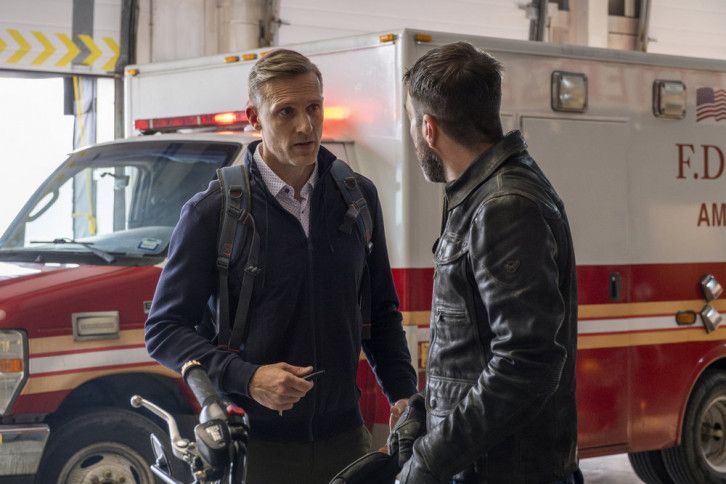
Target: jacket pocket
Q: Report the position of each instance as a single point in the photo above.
(454, 339)
(450, 248)
(454, 324)
(442, 396)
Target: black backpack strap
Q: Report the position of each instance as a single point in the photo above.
(358, 214)
(248, 281)
(236, 204)
(358, 211)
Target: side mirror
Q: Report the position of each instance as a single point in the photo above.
(161, 460)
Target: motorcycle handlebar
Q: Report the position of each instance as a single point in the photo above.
(196, 377)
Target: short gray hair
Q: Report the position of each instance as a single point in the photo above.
(279, 63)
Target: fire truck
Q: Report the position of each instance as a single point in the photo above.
(633, 142)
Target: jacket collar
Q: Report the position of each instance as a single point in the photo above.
(483, 168)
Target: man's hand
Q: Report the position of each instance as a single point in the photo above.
(279, 386)
(396, 411)
(410, 426)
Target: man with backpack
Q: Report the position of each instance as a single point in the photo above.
(290, 251)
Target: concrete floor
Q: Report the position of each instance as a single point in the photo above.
(613, 469)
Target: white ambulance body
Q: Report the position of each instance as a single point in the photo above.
(633, 142)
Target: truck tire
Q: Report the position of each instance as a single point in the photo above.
(649, 467)
(701, 457)
(109, 445)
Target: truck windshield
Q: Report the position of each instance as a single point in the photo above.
(119, 199)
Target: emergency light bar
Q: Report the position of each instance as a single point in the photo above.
(166, 125)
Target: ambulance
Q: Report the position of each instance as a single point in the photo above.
(634, 143)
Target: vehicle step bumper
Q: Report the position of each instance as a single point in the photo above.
(21, 447)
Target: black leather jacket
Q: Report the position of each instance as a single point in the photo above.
(500, 393)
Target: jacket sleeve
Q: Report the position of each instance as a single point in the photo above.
(386, 350)
(513, 255)
(187, 281)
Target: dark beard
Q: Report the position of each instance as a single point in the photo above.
(431, 164)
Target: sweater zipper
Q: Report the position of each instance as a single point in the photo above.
(315, 335)
(316, 192)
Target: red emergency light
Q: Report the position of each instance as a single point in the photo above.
(336, 113)
(167, 125)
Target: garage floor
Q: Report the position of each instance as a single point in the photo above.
(614, 469)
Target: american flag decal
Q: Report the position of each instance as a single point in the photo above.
(710, 103)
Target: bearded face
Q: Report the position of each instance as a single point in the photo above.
(431, 165)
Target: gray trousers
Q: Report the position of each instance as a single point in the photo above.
(304, 462)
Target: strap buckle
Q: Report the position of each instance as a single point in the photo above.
(235, 212)
(223, 262)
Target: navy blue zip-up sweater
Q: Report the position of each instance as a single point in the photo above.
(304, 308)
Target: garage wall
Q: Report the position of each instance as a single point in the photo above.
(182, 29)
(304, 20)
(178, 29)
(694, 28)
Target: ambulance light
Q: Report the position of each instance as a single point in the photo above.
(228, 118)
(685, 318)
(423, 38)
(711, 318)
(569, 92)
(711, 288)
(386, 38)
(249, 57)
(142, 124)
(132, 72)
(231, 58)
(335, 113)
(669, 99)
(166, 125)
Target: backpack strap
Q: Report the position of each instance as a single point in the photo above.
(236, 204)
(358, 214)
(239, 329)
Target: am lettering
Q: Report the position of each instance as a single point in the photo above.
(712, 215)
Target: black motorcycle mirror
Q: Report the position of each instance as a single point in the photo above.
(162, 462)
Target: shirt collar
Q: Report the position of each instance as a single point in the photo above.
(275, 184)
(483, 167)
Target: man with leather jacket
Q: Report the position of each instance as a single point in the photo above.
(500, 391)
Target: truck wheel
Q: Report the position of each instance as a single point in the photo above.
(649, 467)
(701, 457)
(109, 445)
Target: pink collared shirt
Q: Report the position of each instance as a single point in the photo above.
(285, 194)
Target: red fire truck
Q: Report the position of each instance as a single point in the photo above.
(633, 142)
